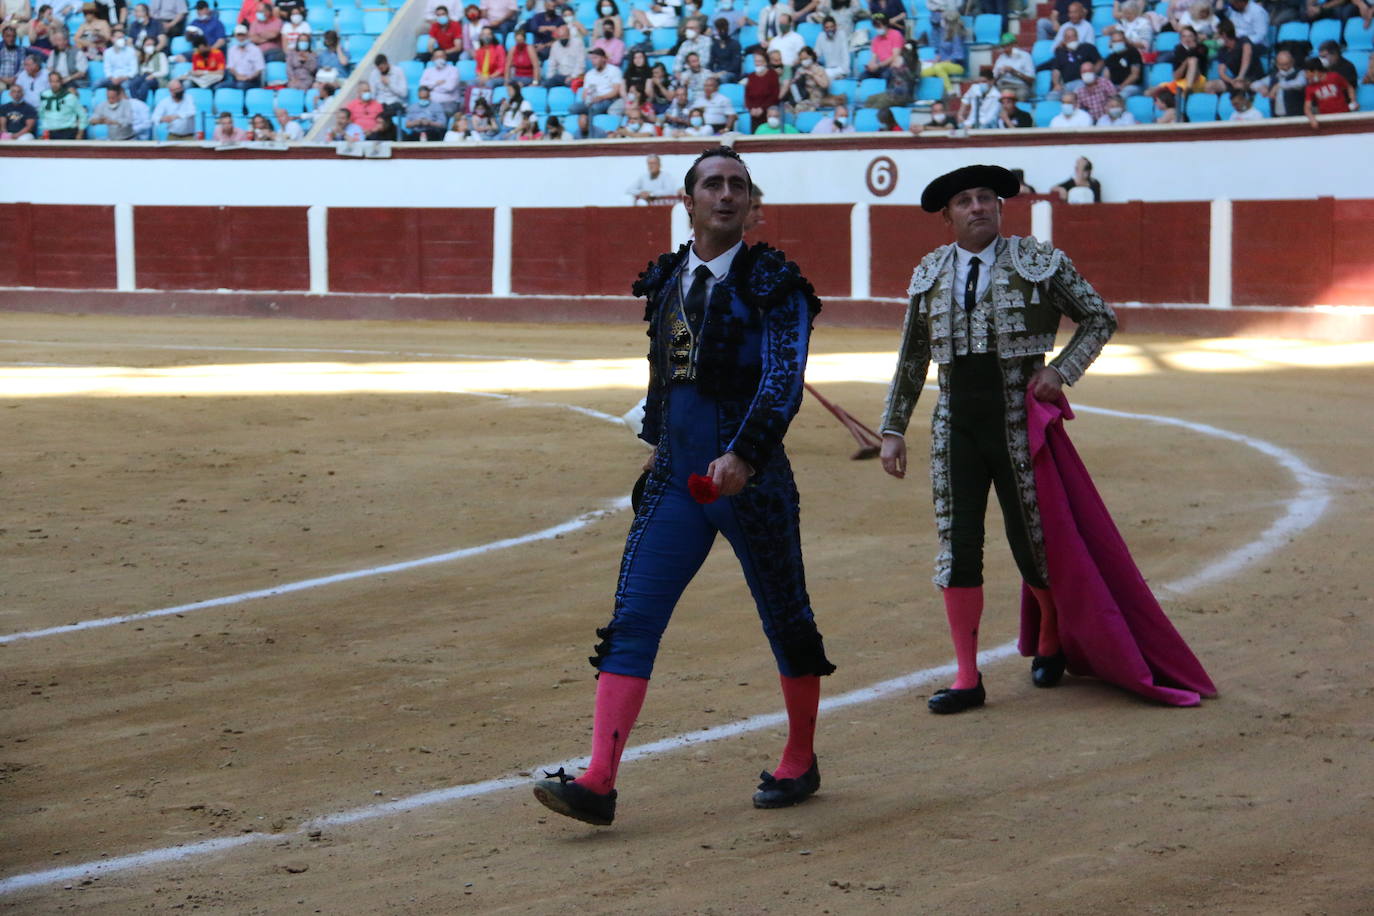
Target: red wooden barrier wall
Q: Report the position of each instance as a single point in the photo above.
(816, 236)
(382, 250)
(221, 248)
(585, 251)
(899, 236)
(1352, 253)
(1303, 252)
(58, 246)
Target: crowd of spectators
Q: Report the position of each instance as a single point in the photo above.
(677, 69)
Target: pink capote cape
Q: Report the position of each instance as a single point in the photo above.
(1110, 624)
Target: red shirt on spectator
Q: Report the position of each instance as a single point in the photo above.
(1331, 92)
(365, 114)
(491, 61)
(523, 60)
(447, 36)
(761, 91)
(249, 11)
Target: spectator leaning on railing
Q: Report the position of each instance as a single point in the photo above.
(1283, 86)
(61, 116)
(1327, 93)
(177, 111)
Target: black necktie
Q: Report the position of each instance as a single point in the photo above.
(695, 306)
(971, 287)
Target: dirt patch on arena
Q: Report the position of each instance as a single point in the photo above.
(259, 715)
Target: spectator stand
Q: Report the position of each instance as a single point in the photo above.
(395, 37)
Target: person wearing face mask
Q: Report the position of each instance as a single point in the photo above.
(1116, 114)
(245, 62)
(1097, 88)
(980, 106)
(170, 16)
(389, 86)
(293, 28)
(694, 41)
(441, 78)
(608, 17)
(207, 63)
(1238, 64)
(610, 43)
(837, 122)
(1123, 64)
(444, 33)
(265, 32)
(717, 111)
(1283, 86)
(143, 28)
(940, 119)
(207, 25)
(522, 63)
(726, 57)
(832, 49)
(302, 63)
(1329, 53)
(121, 61)
(540, 28)
(788, 42)
(1070, 114)
(733, 14)
(1066, 67)
(568, 59)
(1326, 92)
(423, 119)
(769, 20)
(1243, 107)
(177, 112)
(774, 124)
(365, 110)
(809, 87)
(153, 68)
(762, 90)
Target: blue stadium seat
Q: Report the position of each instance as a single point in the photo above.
(561, 99)
(1365, 96)
(421, 44)
(1166, 41)
(987, 29)
(866, 121)
(1043, 83)
(869, 87)
(930, 88)
(276, 73)
(179, 45)
(735, 93)
(230, 100)
(260, 101)
(538, 97)
(1293, 31)
(1359, 60)
(860, 61)
(1201, 107)
(1042, 51)
(358, 46)
(1045, 110)
(663, 39)
(1159, 73)
(748, 36)
(1142, 108)
(229, 19)
(743, 124)
(1264, 106)
(74, 22)
(1357, 37)
(1325, 30)
(180, 69)
(414, 69)
(467, 71)
(97, 132)
(83, 95)
(95, 72)
(204, 99)
(320, 17)
(293, 100)
(807, 120)
(348, 19)
(809, 31)
(498, 95)
(607, 122)
(1102, 17)
(376, 21)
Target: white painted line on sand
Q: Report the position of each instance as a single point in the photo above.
(1303, 510)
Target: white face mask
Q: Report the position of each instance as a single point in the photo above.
(689, 34)
(760, 71)
(262, 17)
(1068, 108)
(1089, 78)
(696, 120)
(296, 19)
(775, 121)
(149, 49)
(366, 96)
(1116, 112)
(607, 10)
(1118, 46)
(1072, 45)
(120, 42)
(302, 46)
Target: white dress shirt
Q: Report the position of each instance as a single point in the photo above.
(719, 267)
(962, 259)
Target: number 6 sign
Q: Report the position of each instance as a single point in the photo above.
(881, 176)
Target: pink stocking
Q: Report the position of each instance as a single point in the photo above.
(618, 700)
(964, 608)
(802, 695)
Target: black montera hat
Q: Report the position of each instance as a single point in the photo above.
(938, 192)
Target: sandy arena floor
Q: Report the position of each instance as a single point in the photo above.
(155, 464)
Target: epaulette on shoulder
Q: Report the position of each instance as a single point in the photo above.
(769, 278)
(1035, 260)
(655, 275)
(925, 274)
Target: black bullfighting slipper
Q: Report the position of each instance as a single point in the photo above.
(1048, 670)
(947, 700)
(783, 793)
(559, 793)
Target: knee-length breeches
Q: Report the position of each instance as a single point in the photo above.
(978, 457)
(672, 534)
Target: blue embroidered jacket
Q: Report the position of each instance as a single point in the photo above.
(750, 350)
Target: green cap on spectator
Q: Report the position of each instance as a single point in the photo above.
(1008, 38)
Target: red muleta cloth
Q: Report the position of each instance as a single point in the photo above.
(1110, 624)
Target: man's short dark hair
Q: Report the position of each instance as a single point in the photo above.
(828, 20)
(1226, 28)
(440, 9)
(690, 182)
(1329, 45)
(723, 27)
(1314, 65)
(380, 59)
